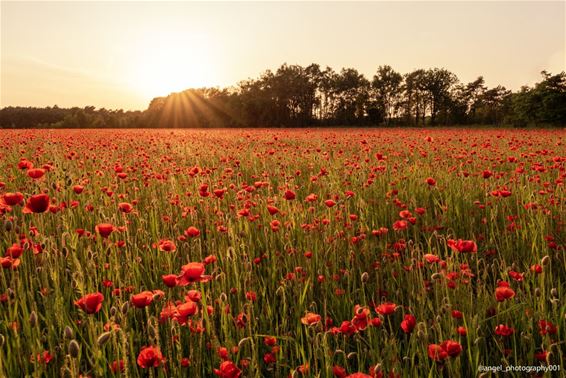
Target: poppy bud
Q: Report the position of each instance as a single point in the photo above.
(365, 277)
(554, 292)
(103, 338)
(545, 260)
(1, 340)
(436, 276)
(74, 348)
(8, 226)
(351, 355)
(113, 311)
(537, 292)
(125, 307)
(33, 319)
(68, 333)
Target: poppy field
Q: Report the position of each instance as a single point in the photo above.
(282, 253)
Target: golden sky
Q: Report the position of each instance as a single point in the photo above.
(122, 54)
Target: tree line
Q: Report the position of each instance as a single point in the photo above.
(297, 96)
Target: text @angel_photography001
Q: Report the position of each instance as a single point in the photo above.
(282, 189)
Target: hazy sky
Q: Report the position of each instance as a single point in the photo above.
(122, 54)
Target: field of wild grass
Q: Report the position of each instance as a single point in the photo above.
(276, 253)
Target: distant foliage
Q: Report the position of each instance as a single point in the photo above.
(296, 96)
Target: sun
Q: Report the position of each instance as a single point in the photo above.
(168, 62)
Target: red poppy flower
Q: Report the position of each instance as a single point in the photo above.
(436, 352)
(546, 327)
(504, 292)
(90, 303)
(503, 330)
(463, 246)
(408, 324)
(192, 232)
(192, 272)
(269, 341)
(541, 356)
(347, 328)
(117, 366)
(150, 357)
(452, 347)
(78, 189)
(339, 371)
(170, 280)
(36, 173)
(9, 262)
(14, 251)
(143, 299)
(386, 308)
(125, 207)
(12, 199)
(189, 308)
(167, 246)
(38, 203)
(272, 210)
(430, 258)
(400, 225)
(311, 197)
(228, 369)
(104, 229)
(289, 195)
(310, 318)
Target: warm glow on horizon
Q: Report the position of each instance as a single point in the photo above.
(123, 54)
(169, 61)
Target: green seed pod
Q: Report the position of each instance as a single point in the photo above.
(74, 348)
(68, 333)
(103, 338)
(33, 319)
